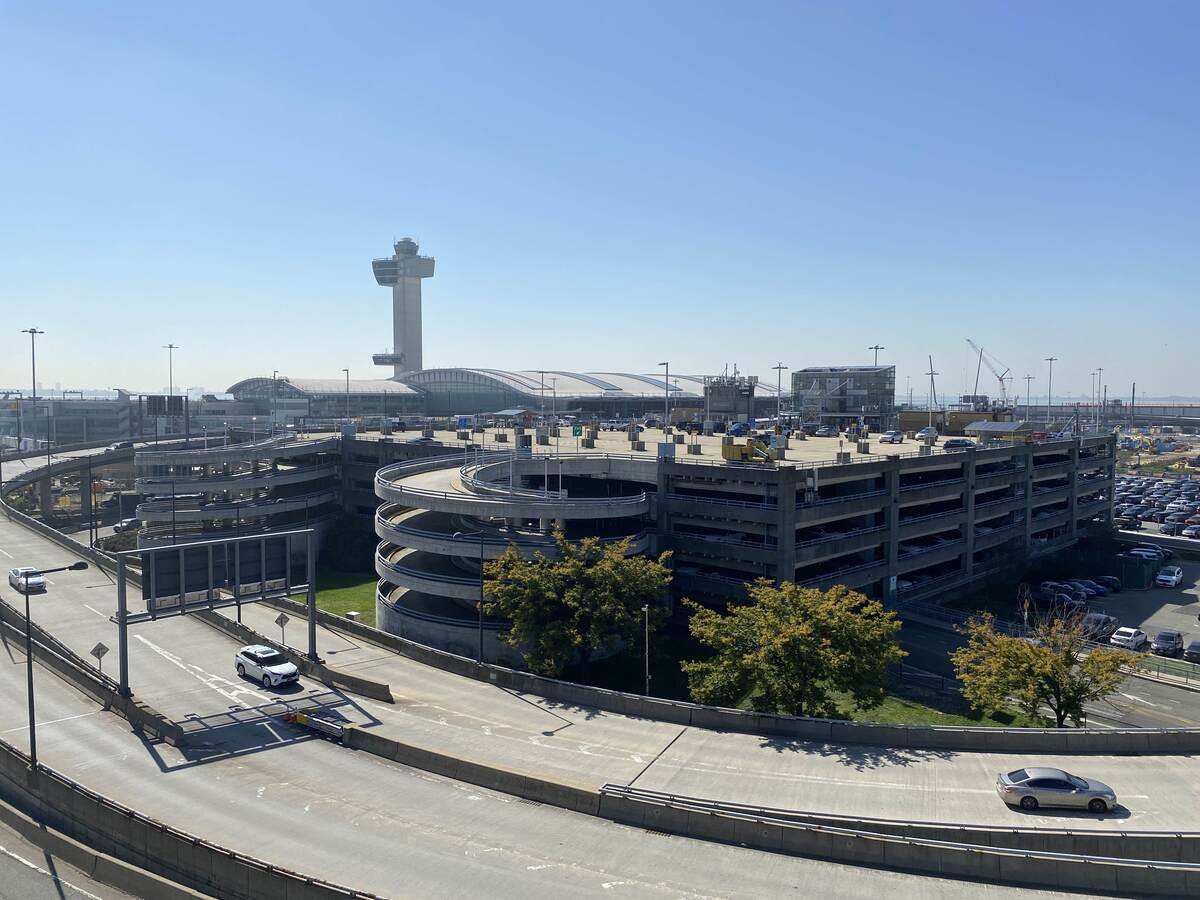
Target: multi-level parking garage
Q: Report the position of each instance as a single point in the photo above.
(194, 493)
(374, 822)
(444, 516)
(899, 526)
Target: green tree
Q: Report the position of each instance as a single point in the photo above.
(586, 600)
(1051, 669)
(791, 649)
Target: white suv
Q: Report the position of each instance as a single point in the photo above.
(265, 665)
(1169, 576)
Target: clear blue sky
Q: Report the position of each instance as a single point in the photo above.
(604, 186)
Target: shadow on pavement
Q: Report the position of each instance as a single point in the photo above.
(1116, 814)
(858, 756)
(245, 730)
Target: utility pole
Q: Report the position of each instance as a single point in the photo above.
(932, 390)
(877, 348)
(1050, 387)
(170, 348)
(779, 370)
(33, 333)
(666, 395)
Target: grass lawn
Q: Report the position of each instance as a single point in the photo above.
(343, 592)
(916, 705)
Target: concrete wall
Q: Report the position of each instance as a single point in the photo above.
(954, 860)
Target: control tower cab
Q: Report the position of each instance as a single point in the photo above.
(402, 272)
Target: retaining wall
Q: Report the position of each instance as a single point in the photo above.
(115, 830)
(1160, 846)
(1126, 877)
(1005, 740)
(334, 678)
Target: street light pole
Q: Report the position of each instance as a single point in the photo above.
(666, 395)
(1050, 387)
(1028, 411)
(877, 348)
(170, 348)
(779, 369)
(646, 616)
(274, 401)
(74, 567)
(33, 333)
(347, 371)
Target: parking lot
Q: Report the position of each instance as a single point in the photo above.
(1150, 505)
(1158, 608)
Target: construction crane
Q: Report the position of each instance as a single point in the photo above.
(993, 365)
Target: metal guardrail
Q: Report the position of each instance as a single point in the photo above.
(841, 536)
(946, 482)
(472, 622)
(386, 486)
(717, 501)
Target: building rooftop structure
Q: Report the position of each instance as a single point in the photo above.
(285, 386)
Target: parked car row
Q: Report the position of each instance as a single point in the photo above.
(1171, 504)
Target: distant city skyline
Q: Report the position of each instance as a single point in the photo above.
(605, 188)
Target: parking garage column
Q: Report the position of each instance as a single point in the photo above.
(892, 479)
(1028, 509)
(969, 508)
(1073, 493)
(46, 496)
(785, 559)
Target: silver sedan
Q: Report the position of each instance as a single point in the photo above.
(1036, 786)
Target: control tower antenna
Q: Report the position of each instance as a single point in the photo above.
(402, 272)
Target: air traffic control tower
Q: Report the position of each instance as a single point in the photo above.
(402, 272)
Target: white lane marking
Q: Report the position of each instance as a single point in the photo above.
(609, 885)
(231, 691)
(96, 611)
(51, 722)
(6, 553)
(32, 865)
(1137, 699)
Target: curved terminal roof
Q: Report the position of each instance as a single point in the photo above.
(308, 387)
(535, 383)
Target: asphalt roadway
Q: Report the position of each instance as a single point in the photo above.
(29, 873)
(262, 787)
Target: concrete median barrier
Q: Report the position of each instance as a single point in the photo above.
(857, 846)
